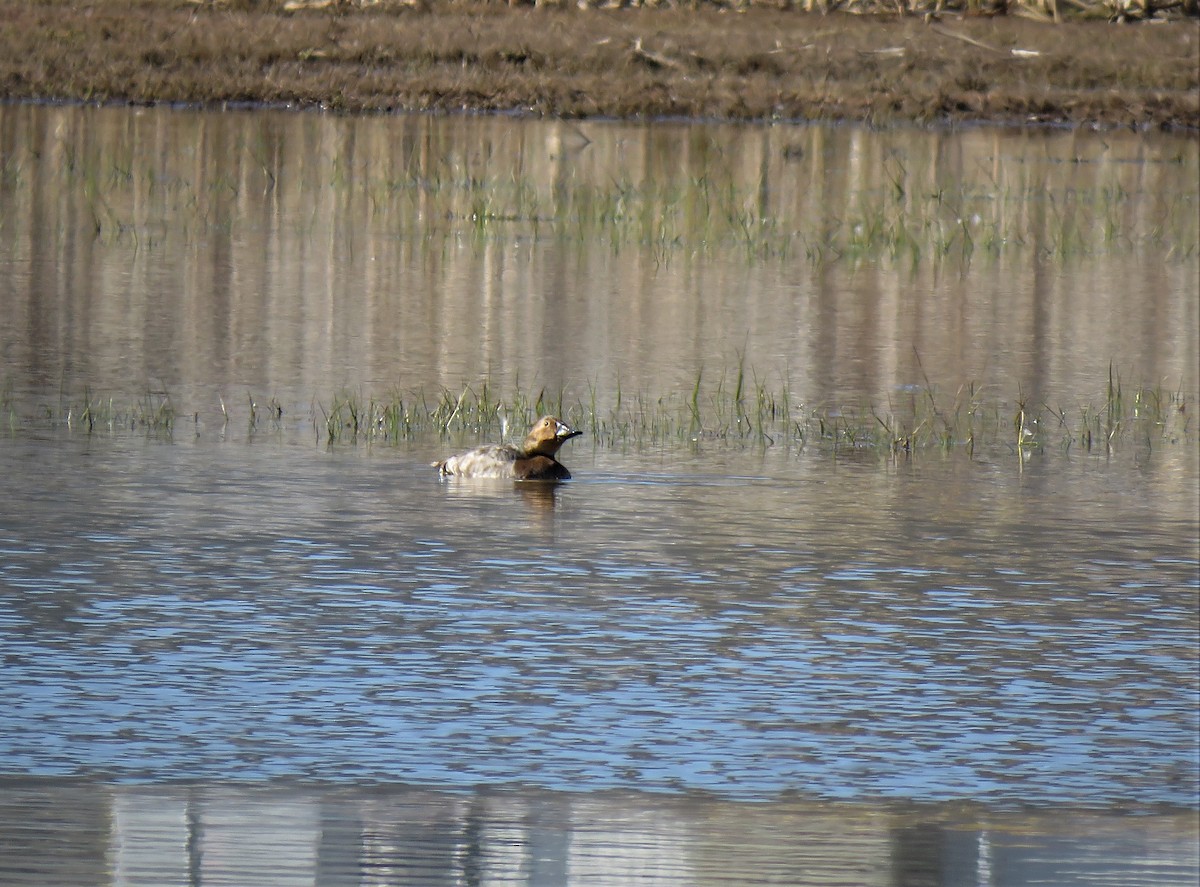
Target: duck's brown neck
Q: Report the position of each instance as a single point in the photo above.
(537, 447)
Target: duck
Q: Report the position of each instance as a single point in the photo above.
(532, 460)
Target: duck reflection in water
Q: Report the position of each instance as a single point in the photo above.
(540, 498)
(534, 459)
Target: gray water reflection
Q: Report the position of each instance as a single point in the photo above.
(293, 255)
(957, 630)
(213, 835)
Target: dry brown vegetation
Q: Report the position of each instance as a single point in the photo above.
(702, 60)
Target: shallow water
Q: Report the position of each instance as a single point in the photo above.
(234, 616)
(950, 631)
(700, 660)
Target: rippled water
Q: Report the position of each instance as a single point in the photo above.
(234, 654)
(954, 630)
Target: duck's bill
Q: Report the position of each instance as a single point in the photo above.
(564, 432)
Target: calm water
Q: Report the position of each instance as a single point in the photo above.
(234, 655)
(214, 256)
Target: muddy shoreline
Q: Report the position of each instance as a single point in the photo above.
(759, 64)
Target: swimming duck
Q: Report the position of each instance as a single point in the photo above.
(532, 460)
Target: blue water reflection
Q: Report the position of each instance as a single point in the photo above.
(346, 617)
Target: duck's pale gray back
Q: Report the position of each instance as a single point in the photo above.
(494, 460)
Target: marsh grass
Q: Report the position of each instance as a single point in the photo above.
(734, 407)
(153, 412)
(739, 408)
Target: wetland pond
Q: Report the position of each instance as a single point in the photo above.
(249, 637)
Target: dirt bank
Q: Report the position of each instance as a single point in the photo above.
(707, 62)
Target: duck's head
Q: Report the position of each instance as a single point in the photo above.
(547, 435)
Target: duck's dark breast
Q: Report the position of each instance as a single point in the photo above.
(540, 468)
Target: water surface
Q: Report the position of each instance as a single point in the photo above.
(706, 658)
(184, 834)
(958, 630)
(219, 257)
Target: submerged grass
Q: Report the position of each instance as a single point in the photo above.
(899, 217)
(902, 219)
